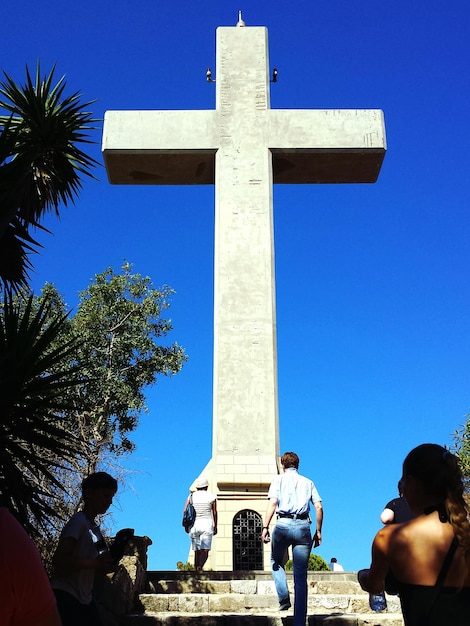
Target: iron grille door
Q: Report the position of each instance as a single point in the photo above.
(247, 545)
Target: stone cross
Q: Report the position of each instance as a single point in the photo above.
(243, 147)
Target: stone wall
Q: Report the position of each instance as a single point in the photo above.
(117, 593)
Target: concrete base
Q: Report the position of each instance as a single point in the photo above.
(240, 483)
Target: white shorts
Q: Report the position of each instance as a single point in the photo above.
(201, 536)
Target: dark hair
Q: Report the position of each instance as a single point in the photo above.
(439, 473)
(436, 468)
(290, 459)
(99, 480)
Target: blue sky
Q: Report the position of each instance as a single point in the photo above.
(372, 281)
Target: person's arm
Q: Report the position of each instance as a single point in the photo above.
(29, 595)
(317, 538)
(214, 515)
(387, 516)
(373, 579)
(66, 562)
(272, 504)
(53, 619)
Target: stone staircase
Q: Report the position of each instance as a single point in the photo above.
(249, 599)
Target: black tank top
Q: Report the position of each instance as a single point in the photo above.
(436, 606)
(451, 606)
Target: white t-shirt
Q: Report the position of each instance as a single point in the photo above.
(87, 535)
(202, 502)
(336, 567)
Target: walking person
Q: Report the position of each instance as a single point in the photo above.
(205, 526)
(290, 495)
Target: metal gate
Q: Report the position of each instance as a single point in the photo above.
(247, 544)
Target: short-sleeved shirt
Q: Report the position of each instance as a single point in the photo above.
(89, 539)
(336, 567)
(401, 510)
(293, 492)
(202, 502)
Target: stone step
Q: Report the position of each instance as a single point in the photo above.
(206, 603)
(249, 582)
(157, 575)
(249, 599)
(247, 619)
(261, 587)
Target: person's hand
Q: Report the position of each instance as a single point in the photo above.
(105, 563)
(215, 530)
(265, 536)
(317, 539)
(363, 578)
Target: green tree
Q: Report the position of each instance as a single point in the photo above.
(72, 389)
(120, 320)
(184, 567)
(41, 165)
(315, 564)
(462, 450)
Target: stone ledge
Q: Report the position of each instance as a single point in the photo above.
(156, 576)
(245, 619)
(195, 586)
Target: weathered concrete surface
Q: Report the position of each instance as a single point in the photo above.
(243, 147)
(180, 147)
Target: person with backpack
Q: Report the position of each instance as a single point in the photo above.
(205, 524)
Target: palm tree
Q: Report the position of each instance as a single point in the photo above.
(41, 166)
(36, 441)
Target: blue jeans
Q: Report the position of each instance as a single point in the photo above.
(295, 533)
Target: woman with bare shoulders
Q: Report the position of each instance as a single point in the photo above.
(430, 554)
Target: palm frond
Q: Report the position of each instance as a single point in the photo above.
(47, 131)
(42, 165)
(35, 436)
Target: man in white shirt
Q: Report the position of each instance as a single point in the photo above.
(290, 495)
(335, 566)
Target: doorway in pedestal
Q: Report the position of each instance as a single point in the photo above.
(247, 544)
